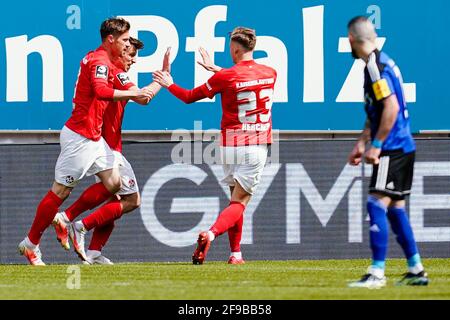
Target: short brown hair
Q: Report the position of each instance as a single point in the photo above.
(246, 37)
(136, 43)
(114, 26)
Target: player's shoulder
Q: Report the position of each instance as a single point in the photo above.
(264, 70)
(100, 56)
(122, 77)
(378, 64)
(384, 62)
(389, 64)
(87, 58)
(117, 70)
(224, 74)
(257, 67)
(263, 66)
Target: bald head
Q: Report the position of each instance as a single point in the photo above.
(361, 29)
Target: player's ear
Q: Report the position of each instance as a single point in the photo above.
(110, 38)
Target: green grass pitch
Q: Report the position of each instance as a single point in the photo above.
(265, 280)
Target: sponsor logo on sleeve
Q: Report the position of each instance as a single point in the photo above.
(101, 72)
(123, 78)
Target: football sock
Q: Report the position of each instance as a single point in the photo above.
(378, 231)
(228, 218)
(405, 236)
(235, 235)
(46, 211)
(211, 236)
(106, 214)
(29, 244)
(93, 253)
(414, 264)
(89, 199)
(237, 255)
(100, 236)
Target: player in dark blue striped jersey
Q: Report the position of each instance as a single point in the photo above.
(392, 154)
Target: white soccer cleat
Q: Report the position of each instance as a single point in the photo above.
(77, 232)
(96, 257)
(31, 252)
(373, 279)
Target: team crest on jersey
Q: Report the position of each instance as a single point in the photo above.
(101, 72)
(123, 78)
(131, 183)
(70, 179)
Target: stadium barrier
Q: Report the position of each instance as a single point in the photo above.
(310, 204)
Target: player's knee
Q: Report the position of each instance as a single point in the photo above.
(239, 194)
(61, 190)
(137, 202)
(131, 202)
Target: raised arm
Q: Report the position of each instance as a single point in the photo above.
(207, 61)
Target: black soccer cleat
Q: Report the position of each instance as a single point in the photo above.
(413, 279)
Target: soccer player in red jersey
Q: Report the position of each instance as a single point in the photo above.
(83, 151)
(246, 131)
(128, 199)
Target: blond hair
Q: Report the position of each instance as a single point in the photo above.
(246, 37)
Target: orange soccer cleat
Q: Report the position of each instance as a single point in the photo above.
(203, 244)
(62, 234)
(33, 255)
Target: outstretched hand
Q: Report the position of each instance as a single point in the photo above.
(163, 78)
(207, 62)
(166, 61)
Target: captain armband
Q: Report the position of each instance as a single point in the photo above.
(381, 89)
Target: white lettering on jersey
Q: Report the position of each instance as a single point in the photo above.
(254, 83)
(255, 126)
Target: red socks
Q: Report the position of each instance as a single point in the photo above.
(89, 199)
(235, 235)
(228, 218)
(46, 211)
(100, 236)
(104, 215)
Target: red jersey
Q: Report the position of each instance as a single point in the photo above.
(113, 117)
(247, 91)
(93, 91)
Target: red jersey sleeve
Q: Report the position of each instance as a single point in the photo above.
(187, 96)
(216, 84)
(99, 76)
(122, 81)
